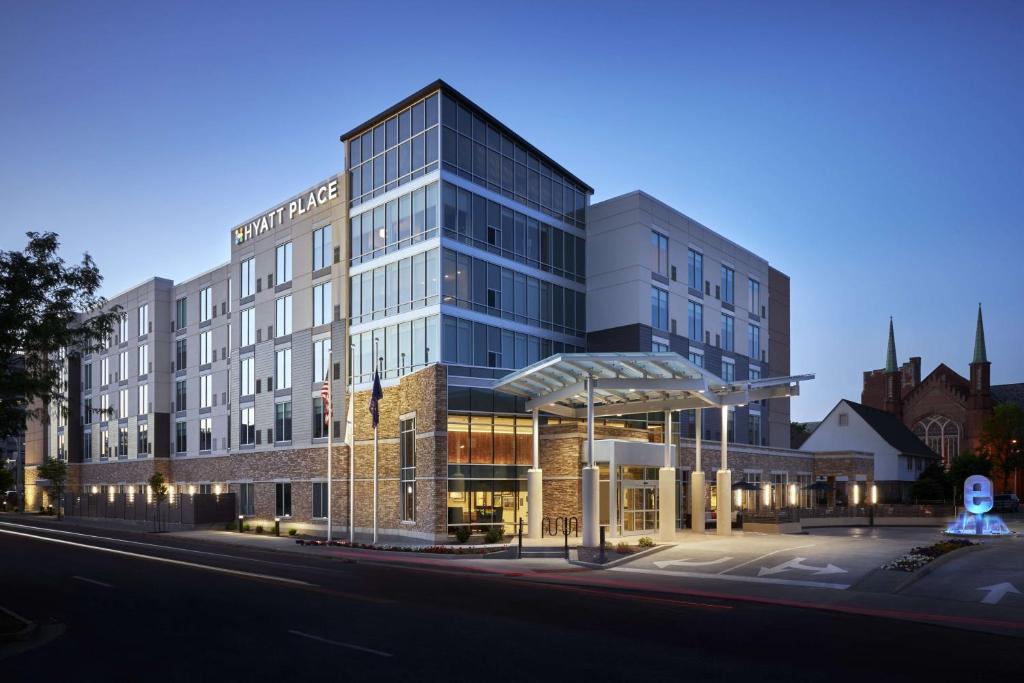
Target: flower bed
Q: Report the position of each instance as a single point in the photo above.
(432, 549)
(919, 557)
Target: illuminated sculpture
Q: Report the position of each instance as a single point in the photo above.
(978, 501)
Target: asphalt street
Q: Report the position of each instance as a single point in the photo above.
(117, 605)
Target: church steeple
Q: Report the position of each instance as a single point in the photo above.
(980, 356)
(890, 354)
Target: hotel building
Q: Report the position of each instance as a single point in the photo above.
(448, 253)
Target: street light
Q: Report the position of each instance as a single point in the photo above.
(277, 526)
(240, 518)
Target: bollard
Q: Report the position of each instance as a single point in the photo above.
(520, 538)
(602, 544)
(240, 518)
(565, 532)
(277, 526)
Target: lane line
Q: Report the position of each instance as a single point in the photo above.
(761, 557)
(349, 646)
(730, 577)
(92, 581)
(166, 560)
(125, 541)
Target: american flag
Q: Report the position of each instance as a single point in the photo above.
(325, 396)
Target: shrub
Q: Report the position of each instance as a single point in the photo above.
(646, 542)
(229, 527)
(259, 528)
(624, 548)
(293, 531)
(494, 534)
(462, 534)
(247, 527)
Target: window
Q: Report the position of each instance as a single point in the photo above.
(753, 296)
(104, 372)
(728, 279)
(659, 347)
(143, 399)
(321, 358)
(728, 372)
(248, 376)
(143, 319)
(206, 391)
(205, 434)
(122, 442)
(142, 438)
(105, 407)
(104, 444)
(180, 395)
(695, 320)
(87, 377)
(322, 247)
(143, 359)
(284, 315)
(319, 500)
(205, 304)
(284, 500)
(246, 499)
(283, 421)
(283, 368)
(248, 326)
(694, 269)
(727, 332)
(181, 437)
(180, 354)
(248, 277)
(754, 373)
(844, 419)
(407, 446)
(319, 421)
(322, 304)
(122, 365)
(754, 428)
(181, 313)
(247, 425)
(122, 403)
(87, 411)
(659, 308)
(659, 253)
(283, 273)
(697, 359)
(205, 347)
(753, 341)
(122, 327)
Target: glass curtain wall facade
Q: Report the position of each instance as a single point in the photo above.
(468, 247)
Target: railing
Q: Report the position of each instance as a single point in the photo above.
(185, 509)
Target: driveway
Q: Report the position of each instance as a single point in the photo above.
(827, 559)
(990, 575)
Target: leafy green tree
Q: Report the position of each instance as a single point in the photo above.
(963, 466)
(1002, 438)
(56, 471)
(798, 433)
(6, 479)
(47, 308)
(158, 485)
(932, 484)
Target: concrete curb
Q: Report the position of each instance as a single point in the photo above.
(24, 632)
(621, 560)
(933, 565)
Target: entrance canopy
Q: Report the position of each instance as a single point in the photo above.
(633, 382)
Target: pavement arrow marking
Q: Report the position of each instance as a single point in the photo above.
(685, 562)
(797, 563)
(996, 592)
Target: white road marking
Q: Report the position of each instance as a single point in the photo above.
(997, 592)
(761, 557)
(350, 646)
(730, 577)
(153, 558)
(686, 562)
(797, 563)
(92, 581)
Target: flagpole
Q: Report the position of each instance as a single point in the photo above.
(350, 437)
(375, 445)
(330, 434)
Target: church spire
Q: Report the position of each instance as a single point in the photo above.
(980, 356)
(890, 354)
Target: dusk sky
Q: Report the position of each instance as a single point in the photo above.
(873, 152)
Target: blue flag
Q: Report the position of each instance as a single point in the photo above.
(375, 396)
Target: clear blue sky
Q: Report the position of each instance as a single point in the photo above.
(873, 152)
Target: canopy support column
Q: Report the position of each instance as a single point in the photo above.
(535, 485)
(591, 479)
(667, 488)
(697, 520)
(723, 522)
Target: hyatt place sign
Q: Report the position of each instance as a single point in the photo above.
(296, 207)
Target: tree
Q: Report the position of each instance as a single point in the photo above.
(1002, 438)
(6, 480)
(56, 471)
(47, 309)
(932, 484)
(963, 466)
(158, 485)
(798, 433)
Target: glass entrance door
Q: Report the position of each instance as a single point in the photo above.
(639, 507)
